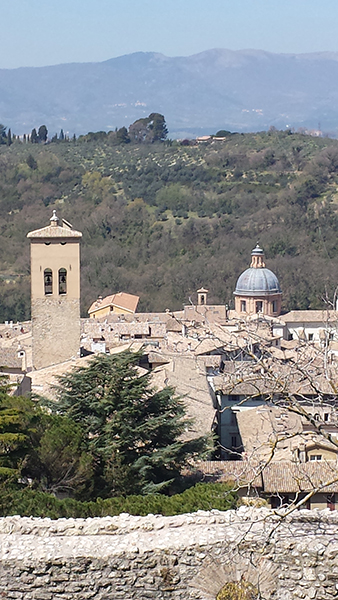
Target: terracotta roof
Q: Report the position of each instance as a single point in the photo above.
(173, 324)
(310, 316)
(240, 473)
(54, 232)
(289, 477)
(283, 477)
(121, 300)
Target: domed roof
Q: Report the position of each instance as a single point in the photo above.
(257, 280)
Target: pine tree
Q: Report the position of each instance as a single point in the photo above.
(9, 138)
(19, 418)
(61, 136)
(134, 431)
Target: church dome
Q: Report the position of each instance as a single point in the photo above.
(257, 280)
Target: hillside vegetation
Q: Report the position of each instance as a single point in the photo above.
(160, 220)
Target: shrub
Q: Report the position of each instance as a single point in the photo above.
(203, 496)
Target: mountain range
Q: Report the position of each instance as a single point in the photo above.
(246, 90)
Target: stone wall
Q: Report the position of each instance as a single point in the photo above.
(55, 330)
(178, 558)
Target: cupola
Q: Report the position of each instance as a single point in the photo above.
(257, 289)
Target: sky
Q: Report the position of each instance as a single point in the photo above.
(46, 32)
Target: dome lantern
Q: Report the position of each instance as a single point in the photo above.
(257, 258)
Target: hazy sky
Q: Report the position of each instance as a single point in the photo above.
(45, 32)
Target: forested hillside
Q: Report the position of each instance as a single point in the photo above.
(160, 220)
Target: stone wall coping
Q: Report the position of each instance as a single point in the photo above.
(125, 523)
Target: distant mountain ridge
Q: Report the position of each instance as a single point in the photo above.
(244, 90)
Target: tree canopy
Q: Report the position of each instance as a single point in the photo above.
(19, 427)
(148, 130)
(133, 431)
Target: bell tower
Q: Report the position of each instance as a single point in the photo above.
(55, 293)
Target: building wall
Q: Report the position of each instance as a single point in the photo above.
(316, 332)
(170, 558)
(107, 310)
(267, 304)
(56, 330)
(55, 253)
(55, 317)
(100, 312)
(228, 430)
(319, 501)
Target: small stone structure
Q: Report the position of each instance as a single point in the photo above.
(184, 557)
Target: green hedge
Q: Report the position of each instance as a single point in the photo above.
(203, 496)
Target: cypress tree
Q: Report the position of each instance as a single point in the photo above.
(34, 137)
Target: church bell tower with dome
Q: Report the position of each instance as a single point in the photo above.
(257, 289)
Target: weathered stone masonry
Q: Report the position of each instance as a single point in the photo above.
(182, 557)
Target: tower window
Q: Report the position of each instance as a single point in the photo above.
(259, 306)
(202, 299)
(274, 306)
(243, 305)
(48, 281)
(62, 281)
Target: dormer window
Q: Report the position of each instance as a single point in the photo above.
(62, 281)
(48, 281)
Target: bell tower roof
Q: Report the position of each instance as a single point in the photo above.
(54, 230)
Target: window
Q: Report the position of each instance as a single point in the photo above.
(330, 336)
(48, 281)
(274, 306)
(259, 306)
(316, 457)
(233, 418)
(243, 305)
(326, 417)
(202, 299)
(234, 441)
(331, 501)
(310, 337)
(62, 281)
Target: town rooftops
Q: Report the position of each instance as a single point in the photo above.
(310, 316)
(54, 230)
(280, 477)
(121, 300)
